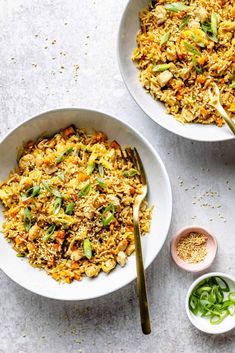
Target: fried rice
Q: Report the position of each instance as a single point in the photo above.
(184, 47)
(69, 204)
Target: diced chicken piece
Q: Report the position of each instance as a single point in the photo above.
(194, 24)
(25, 183)
(161, 14)
(89, 212)
(108, 265)
(39, 160)
(92, 271)
(201, 14)
(187, 115)
(113, 199)
(227, 26)
(164, 77)
(34, 232)
(121, 258)
(76, 255)
(185, 72)
(130, 249)
(27, 161)
(50, 169)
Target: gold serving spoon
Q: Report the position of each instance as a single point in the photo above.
(214, 95)
(133, 155)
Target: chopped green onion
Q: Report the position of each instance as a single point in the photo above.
(206, 26)
(57, 205)
(191, 48)
(61, 176)
(20, 255)
(161, 67)
(84, 191)
(214, 23)
(197, 40)
(165, 38)
(51, 189)
(101, 183)
(90, 168)
(184, 22)
(130, 173)
(87, 248)
(70, 208)
(60, 158)
(176, 7)
(231, 296)
(27, 219)
(197, 67)
(101, 170)
(32, 192)
(108, 214)
(49, 232)
(232, 85)
(207, 298)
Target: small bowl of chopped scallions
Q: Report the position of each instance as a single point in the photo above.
(210, 303)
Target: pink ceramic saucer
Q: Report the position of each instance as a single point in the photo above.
(211, 246)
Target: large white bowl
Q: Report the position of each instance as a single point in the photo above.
(159, 195)
(129, 27)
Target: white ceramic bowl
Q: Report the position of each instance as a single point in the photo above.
(129, 27)
(203, 324)
(159, 194)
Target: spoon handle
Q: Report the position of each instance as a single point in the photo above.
(141, 285)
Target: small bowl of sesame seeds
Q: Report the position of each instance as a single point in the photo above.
(194, 248)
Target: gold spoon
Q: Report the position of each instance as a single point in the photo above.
(141, 285)
(214, 95)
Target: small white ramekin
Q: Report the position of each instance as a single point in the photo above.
(203, 324)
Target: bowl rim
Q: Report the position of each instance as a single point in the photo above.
(132, 93)
(192, 286)
(156, 155)
(198, 267)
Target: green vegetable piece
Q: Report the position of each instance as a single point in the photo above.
(214, 23)
(232, 85)
(176, 7)
(196, 39)
(70, 208)
(61, 157)
(161, 67)
(231, 296)
(57, 205)
(101, 183)
(27, 219)
(191, 48)
(20, 255)
(206, 27)
(184, 22)
(130, 173)
(222, 284)
(85, 190)
(165, 38)
(101, 170)
(61, 176)
(108, 214)
(32, 192)
(87, 248)
(197, 67)
(49, 232)
(51, 189)
(90, 168)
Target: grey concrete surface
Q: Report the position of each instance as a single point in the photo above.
(41, 44)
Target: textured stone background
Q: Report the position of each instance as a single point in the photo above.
(41, 44)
